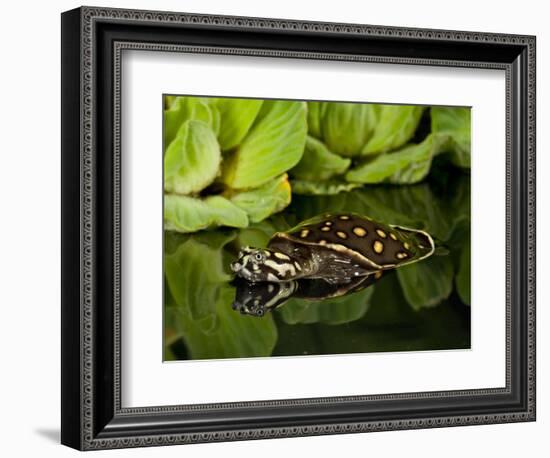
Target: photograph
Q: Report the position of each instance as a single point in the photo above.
(310, 227)
(286, 224)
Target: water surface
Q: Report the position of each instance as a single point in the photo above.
(423, 306)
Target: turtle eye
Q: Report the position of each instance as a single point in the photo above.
(258, 256)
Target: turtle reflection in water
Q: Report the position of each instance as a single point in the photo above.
(336, 248)
(258, 298)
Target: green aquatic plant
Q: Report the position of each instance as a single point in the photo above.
(274, 143)
(238, 170)
(454, 123)
(233, 162)
(197, 298)
(225, 160)
(192, 159)
(332, 311)
(352, 144)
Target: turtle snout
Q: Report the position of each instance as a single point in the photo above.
(240, 269)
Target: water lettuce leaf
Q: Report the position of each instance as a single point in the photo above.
(463, 275)
(322, 188)
(346, 127)
(234, 336)
(198, 303)
(458, 208)
(408, 165)
(388, 307)
(393, 325)
(318, 163)
(168, 101)
(194, 276)
(192, 160)
(274, 144)
(389, 324)
(237, 116)
(454, 122)
(426, 283)
(414, 206)
(410, 206)
(337, 310)
(395, 126)
(190, 214)
(315, 112)
(265, 200)
(381, 204)
(183, 109)
(256, 235)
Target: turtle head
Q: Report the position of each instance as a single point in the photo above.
(262, 264)
(257, 299)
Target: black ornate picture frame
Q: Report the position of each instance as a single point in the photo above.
(92, 42)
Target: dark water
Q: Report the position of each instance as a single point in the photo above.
(423, 306)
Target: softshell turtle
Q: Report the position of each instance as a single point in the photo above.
(333, 247)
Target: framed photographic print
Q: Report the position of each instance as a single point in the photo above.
(278, 228)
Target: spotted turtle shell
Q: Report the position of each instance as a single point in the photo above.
(372, 244)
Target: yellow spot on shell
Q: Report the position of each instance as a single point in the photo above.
(392, 235)
(325, 228)
(304, 233)
(378, 246)
(359, 231)
(381, 233)
(342, 235)
(328, 223)
(322, 242)
(406, 245)
(378, 274)
(343, 217)
(401, 255)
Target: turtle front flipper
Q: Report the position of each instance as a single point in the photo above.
(337, 267)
